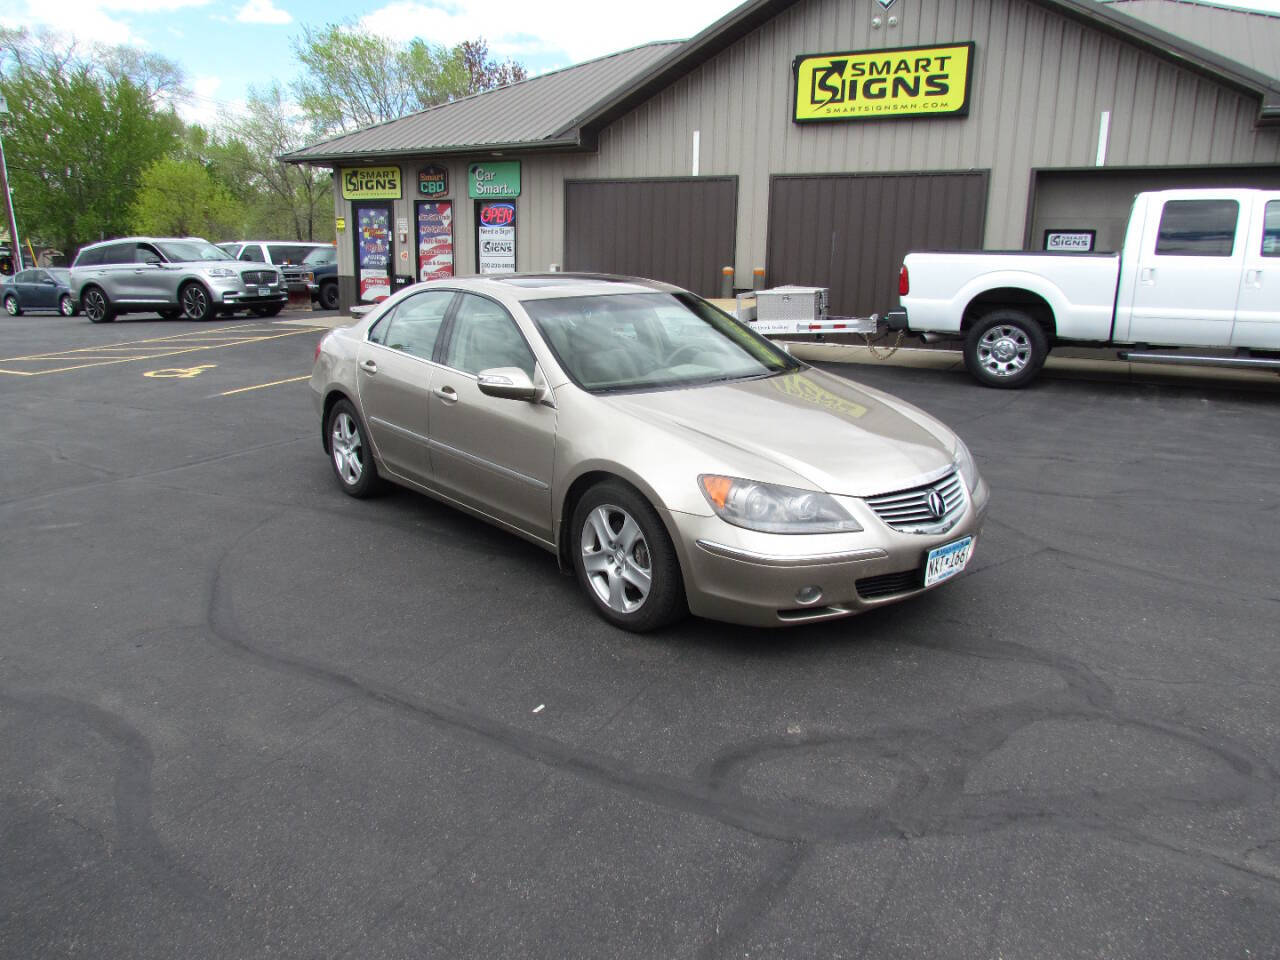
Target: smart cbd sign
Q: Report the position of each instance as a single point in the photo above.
(875, 84)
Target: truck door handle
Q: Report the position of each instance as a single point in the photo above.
(368, 366)
(447, 394)
(1253, 278)
(1147, 275)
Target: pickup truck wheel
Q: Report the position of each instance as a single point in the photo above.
(1006, 348)
(329, 296)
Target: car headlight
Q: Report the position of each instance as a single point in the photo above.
(771, 508)
(221, 272)
(966, 465)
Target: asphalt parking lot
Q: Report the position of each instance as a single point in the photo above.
(244, 715)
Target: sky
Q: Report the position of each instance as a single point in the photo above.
(224, 46)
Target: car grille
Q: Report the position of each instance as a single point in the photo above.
(259, 277)
(887, 584)
(909, 511)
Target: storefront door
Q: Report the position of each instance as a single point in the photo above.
(375, 251)
(435, 239)
(496, 236)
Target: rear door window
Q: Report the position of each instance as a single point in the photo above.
(1271, 230)
(415, 325)
(253, 253)
(1198, 228)
(118, 253)
(287, 253)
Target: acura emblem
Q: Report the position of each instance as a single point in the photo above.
(937, 506)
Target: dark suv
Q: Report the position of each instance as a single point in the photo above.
(173, 276)
(322, 265)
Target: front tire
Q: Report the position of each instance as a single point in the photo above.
(11, 305)
(96, 306)
(329, 296)
(349, 452)
(1006, 349)
(66, 306)
(270, 311)
(195, 302)
(624, 559)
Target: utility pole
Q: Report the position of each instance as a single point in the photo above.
(15, 247)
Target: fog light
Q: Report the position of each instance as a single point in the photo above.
(808, 595)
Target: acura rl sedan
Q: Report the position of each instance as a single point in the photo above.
(671, 458)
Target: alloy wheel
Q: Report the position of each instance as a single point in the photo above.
(194, 302)
(11, 306)
(1005, 350)
(616, 558)
(95, 306)
(348, 450)
(65, 307)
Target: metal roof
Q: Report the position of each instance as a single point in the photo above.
(540, 112)
(1251, 37)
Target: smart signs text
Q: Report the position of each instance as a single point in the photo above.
(867, 84)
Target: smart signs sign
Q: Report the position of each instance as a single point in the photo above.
(872, 84)
(371, 183)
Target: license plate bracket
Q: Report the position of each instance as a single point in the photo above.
(944, 562)
(264, 291)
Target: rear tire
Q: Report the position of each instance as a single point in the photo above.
(624, 559)
(270, 311)
(96, 306)
(1005, 349)
(195, 302)
(349, 452)
(11, 305)
(329, 296)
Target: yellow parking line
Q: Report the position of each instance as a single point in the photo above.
(259, 386)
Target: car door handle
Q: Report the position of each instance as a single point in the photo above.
(1253, 278)
(1148, 275)
(368, 366)
(447, 394)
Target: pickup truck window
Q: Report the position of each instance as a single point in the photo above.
(1271, 230)
(1198, 228)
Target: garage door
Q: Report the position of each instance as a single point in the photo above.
(1099, 200)
(677, 230)
(850, 232)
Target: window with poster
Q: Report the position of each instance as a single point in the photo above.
(496, 236)
(435, 239)
(374, 250)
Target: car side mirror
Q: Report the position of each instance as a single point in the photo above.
(509, 383)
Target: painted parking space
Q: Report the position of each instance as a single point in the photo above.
(153, 348)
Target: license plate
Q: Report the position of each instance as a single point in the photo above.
(946, 561)
(264, 291)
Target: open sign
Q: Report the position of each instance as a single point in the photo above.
(497, 214)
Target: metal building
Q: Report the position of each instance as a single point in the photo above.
(818, 139)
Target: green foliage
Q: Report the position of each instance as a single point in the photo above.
(353, 79)
(179, 197)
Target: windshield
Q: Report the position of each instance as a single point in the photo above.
(186, 251)
(638, 341)
(321, 255)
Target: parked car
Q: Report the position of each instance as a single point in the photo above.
(174, 276)
(44, 288)
(322, 266)
(1198, 269)
(671, 458)
(288, 256)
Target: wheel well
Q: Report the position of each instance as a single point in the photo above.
(1015, 297)
(330, 399)
(575, 492)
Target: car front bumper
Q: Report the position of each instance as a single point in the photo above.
(753, 579)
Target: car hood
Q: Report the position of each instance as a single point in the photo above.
(842, 438)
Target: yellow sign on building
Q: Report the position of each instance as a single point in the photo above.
(371, 183)
(870, 84)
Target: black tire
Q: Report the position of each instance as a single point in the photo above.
(270, 311)
(11, 305)
(359, 479)
(1006, 348)
(329, 296)
(66, 306)
(195, 302)
(665, 601)
(96, 306)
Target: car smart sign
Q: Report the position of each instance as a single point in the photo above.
(371, 183)
(874, 84)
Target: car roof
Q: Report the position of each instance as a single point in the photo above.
(103, 243)
(551, 286)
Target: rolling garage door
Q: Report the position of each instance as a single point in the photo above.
(1099, 200)
(850, 232)
(677, 230)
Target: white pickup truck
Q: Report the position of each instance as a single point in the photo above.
(1199, 268)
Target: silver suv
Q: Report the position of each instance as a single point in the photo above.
(173, 276)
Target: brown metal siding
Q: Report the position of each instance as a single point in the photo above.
(851, 232)
(677, 230)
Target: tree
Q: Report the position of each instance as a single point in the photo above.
(283, 195)
(353, 79)
(80, 138)
(179, 197)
